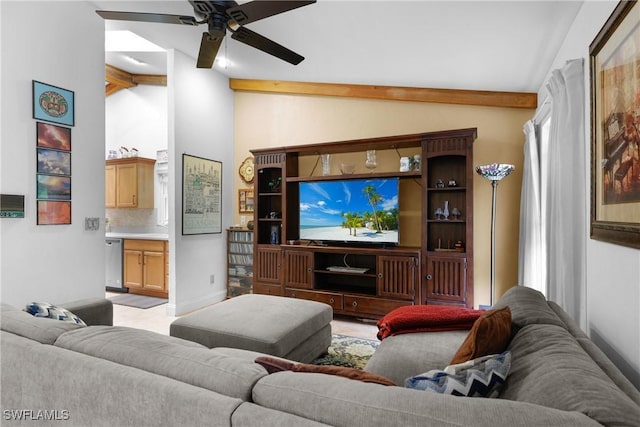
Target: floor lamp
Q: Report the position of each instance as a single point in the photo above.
(494, 173)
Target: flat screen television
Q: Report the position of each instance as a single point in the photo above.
(355, 211)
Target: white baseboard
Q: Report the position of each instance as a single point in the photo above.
(184, 307)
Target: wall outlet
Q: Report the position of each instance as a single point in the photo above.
(243, 220)
(91, 224)
(212, 279)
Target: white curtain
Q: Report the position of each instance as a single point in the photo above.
(531, 264)
(553, 231)
(566, 232)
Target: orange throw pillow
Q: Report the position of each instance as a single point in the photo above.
(490, 334)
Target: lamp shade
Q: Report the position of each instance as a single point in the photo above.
(495, 171)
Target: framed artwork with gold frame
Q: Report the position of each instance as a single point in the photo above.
(615, 121)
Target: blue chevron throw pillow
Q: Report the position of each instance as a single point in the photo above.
(44, 309)
(481, 377)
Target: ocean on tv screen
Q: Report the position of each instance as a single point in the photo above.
(350, 210)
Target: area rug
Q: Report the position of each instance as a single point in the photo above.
(347, 351)
(137, 301)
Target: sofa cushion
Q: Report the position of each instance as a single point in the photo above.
(44, 309)
(402, 356)
(273, 365)
(41, 329)
(490, 334)
(481, 377)
(175, 358)
(96, 392)
(252, 415)
(528, 307)
(550, 368)
(341, 402)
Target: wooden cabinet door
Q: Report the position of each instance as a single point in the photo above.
(145, 266)
(110, 186)
(127, 186)
(153, 271)
(446, 279)
(299, 269)
(133, 273)
(268, 265)
(397, 277)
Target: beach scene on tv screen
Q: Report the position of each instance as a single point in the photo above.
(350, 210)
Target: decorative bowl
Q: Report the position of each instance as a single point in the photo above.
(347, 168)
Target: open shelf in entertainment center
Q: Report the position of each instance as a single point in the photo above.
(409, 174)
(389, 281)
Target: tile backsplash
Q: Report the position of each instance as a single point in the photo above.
(134, 220)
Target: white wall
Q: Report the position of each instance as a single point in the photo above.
(137, 117)
(613, 272)
(200, 124)
(41, 263)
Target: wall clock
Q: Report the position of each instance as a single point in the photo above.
(246, 170)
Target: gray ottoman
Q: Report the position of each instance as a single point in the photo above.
(294, 329)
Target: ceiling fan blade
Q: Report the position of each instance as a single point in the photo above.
(259, 9)
(148, 17)
(262, 43)
(208, 50)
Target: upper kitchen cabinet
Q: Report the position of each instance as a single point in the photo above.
(129, 183)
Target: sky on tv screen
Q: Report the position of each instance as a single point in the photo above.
(324, 204)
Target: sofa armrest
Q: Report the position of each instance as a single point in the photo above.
(93, 311)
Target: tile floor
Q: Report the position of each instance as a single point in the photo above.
(155, 319)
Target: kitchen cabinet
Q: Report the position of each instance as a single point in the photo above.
(129, 183)
(146, 267)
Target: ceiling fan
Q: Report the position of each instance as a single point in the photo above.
(221, 16)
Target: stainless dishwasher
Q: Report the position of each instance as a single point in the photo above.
(113, 259)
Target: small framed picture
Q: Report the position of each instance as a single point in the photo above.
(245, 201)
(52, 136)
(54, 212)
(54, 162)
(53, 104)
(50, 187)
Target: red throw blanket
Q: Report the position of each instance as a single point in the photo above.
(426, 318)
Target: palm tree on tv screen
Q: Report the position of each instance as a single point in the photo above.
(374, 198)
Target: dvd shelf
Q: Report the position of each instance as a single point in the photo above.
(239, 262)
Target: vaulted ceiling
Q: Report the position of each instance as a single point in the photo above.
(470, 45)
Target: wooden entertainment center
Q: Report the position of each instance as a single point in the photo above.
(433, 262)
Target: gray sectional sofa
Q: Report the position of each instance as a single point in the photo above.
(114, 376)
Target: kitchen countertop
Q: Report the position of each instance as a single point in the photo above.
(142, 236)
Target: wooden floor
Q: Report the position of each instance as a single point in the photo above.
(155, 319)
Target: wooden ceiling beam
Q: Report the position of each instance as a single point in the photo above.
(150, 79)
(110, 89)
(117, 79)
(393, 93)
